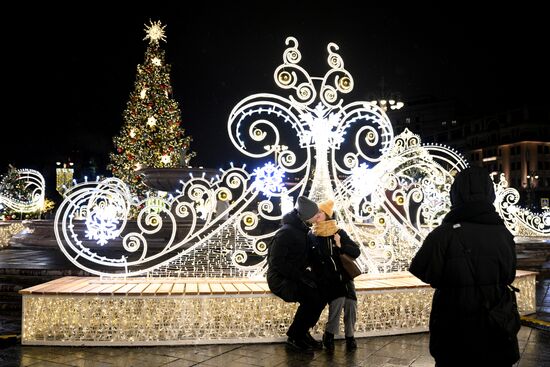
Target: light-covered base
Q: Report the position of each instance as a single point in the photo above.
(389, 306)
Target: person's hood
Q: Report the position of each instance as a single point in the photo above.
(472, 185)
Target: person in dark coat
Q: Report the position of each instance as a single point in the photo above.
(459, 331)
(289, 275)
(328, 241)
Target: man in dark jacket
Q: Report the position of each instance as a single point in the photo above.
(468, 259)
(289, 276)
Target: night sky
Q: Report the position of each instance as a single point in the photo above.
(69, 72)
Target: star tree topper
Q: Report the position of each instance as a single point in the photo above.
(155, 32)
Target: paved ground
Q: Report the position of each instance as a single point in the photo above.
(389, 351)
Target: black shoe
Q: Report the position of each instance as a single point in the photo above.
(312, 342)
(299, 344)
(328, 340)
(351, 344)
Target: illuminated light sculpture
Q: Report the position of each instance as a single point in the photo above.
(31, 197)
(393, 206)
(64, 177)
(389, 191)
(520, 221)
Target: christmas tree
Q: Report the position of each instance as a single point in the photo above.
(151, 136)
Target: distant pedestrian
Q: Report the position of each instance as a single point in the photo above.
(328, 242)
(289, 275)
(469, 259)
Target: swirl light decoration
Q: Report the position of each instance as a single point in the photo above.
(318, 122)
(520, 221)
(33, 190)
(389, 191)
(393, 206)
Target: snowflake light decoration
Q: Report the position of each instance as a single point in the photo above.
(101, 225)
(269, 179)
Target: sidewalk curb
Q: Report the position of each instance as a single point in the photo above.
(10, 338)
(535, 323)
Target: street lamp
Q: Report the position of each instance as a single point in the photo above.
(387, 100)
(393, 104)
(531, 177)
(531, 185)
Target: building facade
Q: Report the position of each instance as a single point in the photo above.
(515, 142)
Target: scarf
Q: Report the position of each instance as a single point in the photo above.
(326, 228)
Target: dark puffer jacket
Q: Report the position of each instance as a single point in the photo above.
(459, 335)
(288, 259)
(327, 266)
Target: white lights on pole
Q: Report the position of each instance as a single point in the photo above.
(387, 100)
(384, 104)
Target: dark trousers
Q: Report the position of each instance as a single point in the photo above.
(311, 306)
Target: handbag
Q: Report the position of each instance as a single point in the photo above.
(350, 266)
(504, 316)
